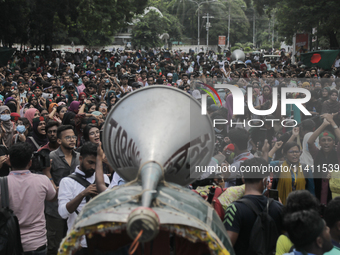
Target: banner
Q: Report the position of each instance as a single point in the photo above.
(221, 40)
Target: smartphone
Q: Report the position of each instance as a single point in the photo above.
(274, 193)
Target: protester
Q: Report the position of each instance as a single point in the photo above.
(27, 193)
(65, 104)
(73, 194)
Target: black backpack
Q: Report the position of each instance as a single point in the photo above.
(264, 233)
(10, 239)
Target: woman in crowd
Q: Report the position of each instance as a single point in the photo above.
(22, 128)
(32, 113)
(293, 176)
(102, 107)
(39, 135)
(7, 128)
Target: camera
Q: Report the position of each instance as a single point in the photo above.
(40, 160)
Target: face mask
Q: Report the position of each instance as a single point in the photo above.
(21, 129)
(5, 117)
(218, 131)
(107, 81)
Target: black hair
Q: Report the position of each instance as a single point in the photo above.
(20, 155)
(25, 121)
(60, 107)
(57, 87)
(250, 176)
(89, 107)
(159, 81)
(332, 214)
(239, 137)
(62, 128)
(86, 131)
(300, 200)
(288, 146)
(302, 227)
(98, 105)
(88, 149)
(92, 85)
(333, 91)
(51, 123)
(308, 125)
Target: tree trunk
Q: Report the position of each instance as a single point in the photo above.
(333, 42)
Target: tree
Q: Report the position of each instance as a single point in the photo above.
(147, 30)
(98, 20)
(14, 20)
(301, 16)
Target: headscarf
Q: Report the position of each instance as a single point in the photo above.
(269, 96)
(29, 114)
(15, 116)
(40, 139)
(50, 108)
(81, 94)
(67, 118)
(9, 99)
(110, 94)
(8, 126)
(74, 107)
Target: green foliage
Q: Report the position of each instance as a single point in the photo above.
(14, 20)
(92, 22)
(247, 49)
(303, 15)
(235, 48)
(98, 20)
(146, 32)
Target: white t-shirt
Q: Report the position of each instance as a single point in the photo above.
(306, 157)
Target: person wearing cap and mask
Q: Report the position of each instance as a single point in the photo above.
(308, 232)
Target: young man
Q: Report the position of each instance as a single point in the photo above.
(308, 232)
(240, 218)
(239, 138)
(332, 218)
(64, 162)
(51, 130)
(72, 195)
(27, 193)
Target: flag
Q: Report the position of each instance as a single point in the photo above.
(321, 58)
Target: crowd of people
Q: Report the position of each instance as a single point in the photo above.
(54, 106)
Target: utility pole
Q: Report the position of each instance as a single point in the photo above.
(273, 32)
(254, 41)
(228, 25)
(208, 25)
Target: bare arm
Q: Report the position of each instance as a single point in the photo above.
(82, 109)
(75, 202)
(295, 134)
(47, 172)
(233, 237)
(317, 132)
(100, 183)
(329, 118)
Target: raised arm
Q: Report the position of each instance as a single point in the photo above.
(329, 118)
(276, 147)
(317, 132)
(101, 187)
